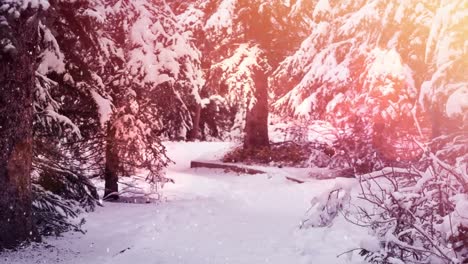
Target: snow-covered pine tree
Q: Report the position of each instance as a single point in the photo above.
(67, 137)
(93, 58)
(163, 65)
(365, 61)
(240, 41)
(19, 22)
(155, 90)
(233, 65)
(444, 91)
(190, 15)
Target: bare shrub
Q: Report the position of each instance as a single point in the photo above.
(417, 213)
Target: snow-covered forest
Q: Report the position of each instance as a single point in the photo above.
(233, 131)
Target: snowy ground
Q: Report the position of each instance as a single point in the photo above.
(209, 217)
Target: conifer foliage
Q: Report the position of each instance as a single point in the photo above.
(107, 73)
(19, 21)
(89, 89)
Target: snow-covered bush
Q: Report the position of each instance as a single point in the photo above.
(417, 214)
(279, 154)
(337, 148)
(316, 139)
(354, 147)
(326, 207)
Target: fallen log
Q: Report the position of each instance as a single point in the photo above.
(295, 180)
(224, 166)
(240, 168)
(332, 174)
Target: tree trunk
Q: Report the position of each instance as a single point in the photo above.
(194, 133)
(111, 177)
(17, 73)
(256, 124)
(436, 121)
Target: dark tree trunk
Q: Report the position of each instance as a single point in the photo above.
(111, 176)
(194, 133)
(17, 69)
(436, 120)
(256, 123)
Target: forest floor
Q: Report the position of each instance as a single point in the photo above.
(206, 217)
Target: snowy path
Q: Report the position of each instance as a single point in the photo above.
(210, 217)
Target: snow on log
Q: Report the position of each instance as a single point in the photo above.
(227, 167)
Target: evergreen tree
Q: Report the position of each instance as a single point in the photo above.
(68, 106)
(18, 47)
(155, 90)
(241, 43)
(368, 62)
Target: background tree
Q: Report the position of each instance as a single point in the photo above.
(335, 74)
(243, 35)
(231, 62)
(155, 90)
